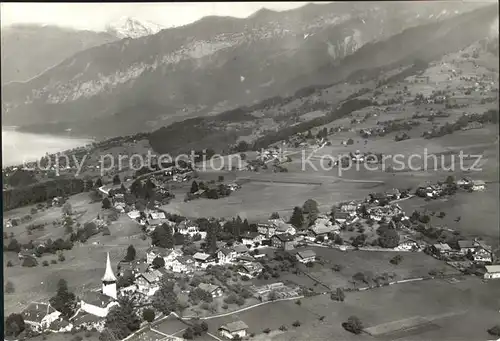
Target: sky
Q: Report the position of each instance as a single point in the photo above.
(95, 16)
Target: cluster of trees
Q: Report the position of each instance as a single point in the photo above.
(122, 320)
(353, 325)
(165, 300)
(216, 192)
(403, 137)
(388, 237)
(197, 328)
(64, 301)
(163, 237)
(14, 325)
(305, 215)
(490, 116)
(41, 192)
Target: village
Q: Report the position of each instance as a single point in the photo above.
(213, 264)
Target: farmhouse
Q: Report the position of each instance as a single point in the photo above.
(187, 227)
(202, 259)
(466, 246)
(349, 207)
(147, 283)
(251, 269)
(482, 255)
(39, 315)
(237, 329)
(283, 241)
(240, 250)
(280, 226)
(154, 252)
(306, 256)
(226, 255)
(492, 272)
(341, 217)
(136, 267)
(441, 249)
(478, 185)
(213, 290)
(250, 238)
(181, 264)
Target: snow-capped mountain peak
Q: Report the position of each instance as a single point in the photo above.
(127, 27)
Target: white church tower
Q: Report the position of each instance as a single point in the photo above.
(109, 280)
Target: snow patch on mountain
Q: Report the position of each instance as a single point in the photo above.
(127, 27)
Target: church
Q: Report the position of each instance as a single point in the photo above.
(99, 303)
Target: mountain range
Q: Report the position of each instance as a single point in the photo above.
(29, 50)
(220, 63)
(127, 27)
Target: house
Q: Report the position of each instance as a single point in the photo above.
(187, 227)
(237, 329)
(39, 315)
(134, 214)
(322, 227)
(154, 252)
(473, 125)
(478, 185)
(464, 182)
(378, 198)
(441, 249)
(250, 269)
(283, 241)
(213, 290)
(156, 215)
(306, 256)
(267, 230)
(350, 207)
(250, 238)
(226, 255)
(148, 282)
(182, 264)
(341, 217)
(96, 303)
(88, 321)
(136, 267)
(492, 272)
(26, 254)
(406, 244)
(202, 258)
(482, 255)
(152, 223)
(393, 194)
(280, 226)
(240, 249)
(60, 326)
(466, 246)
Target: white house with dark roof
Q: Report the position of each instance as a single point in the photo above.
(39, 316)
(155, 251)
(234, 329)
(226, 255)
(492, 272)
(306, 256)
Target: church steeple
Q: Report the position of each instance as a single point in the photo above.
(109, 276)
(109, 280)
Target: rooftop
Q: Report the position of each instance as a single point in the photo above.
(285, 237)
(492, 268)
(306, 254)
(96, 298)
(35, 312)
(201, 256)
(208, 287)
(234, 326)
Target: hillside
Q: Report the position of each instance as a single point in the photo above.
(24, 57)
(279, 117)
(207, 67)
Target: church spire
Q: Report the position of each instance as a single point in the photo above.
(109, 276)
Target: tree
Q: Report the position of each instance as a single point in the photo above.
(194, 187)
(220, 178)
(68, 224)
(389, 239)
(14, 325)
(296, 323)
(67, 209)
(122, 320)
(165, 299)
(353, 325)
(64, 301)
(310, 207)
(98, 183)
(396, 259)
(163, 237)
(106, 203)
(188, 334)
(211, 238)
(495, 330)
(9, 288)
(274, 215)
(130, 254)
(148, 315)
(158, 262)
(116, 180)
(297, 219)
(338, 295)
(450, 180)
(29, 262)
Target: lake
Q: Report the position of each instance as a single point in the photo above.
(19, 147)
